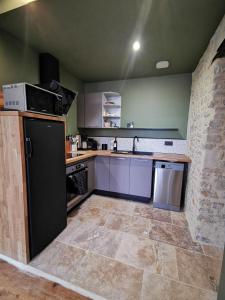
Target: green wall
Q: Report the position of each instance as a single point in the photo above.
(19, 63)
(153, 102)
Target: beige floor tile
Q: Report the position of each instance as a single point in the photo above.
(109, 278)
(59, 260)
(179, 219)
(156, 287)
(198, 270)
(213, 251)
(92, 214)
(95, 273)
(126, 223)
(111, 204)
(72, 227)
(147, 211)
(167, 260)
(146, 254)
(73, 213)
(175, 235)
(95, 238)
(139, 252)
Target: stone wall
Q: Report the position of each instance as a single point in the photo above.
(205, 196)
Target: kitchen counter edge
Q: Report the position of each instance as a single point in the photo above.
(170, 157)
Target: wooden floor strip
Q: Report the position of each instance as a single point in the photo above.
(15, 284)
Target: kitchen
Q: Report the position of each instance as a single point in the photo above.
(117, 177)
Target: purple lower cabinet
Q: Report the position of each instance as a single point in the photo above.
(140, 177)
(102, 173)
(119, 175)
(91, 174)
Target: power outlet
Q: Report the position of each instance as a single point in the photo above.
(168, 143)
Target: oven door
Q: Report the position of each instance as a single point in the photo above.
(77, 184)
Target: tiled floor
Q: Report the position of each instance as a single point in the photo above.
(119, 249)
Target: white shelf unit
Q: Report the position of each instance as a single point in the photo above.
(111, 110)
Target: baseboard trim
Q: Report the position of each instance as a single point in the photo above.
(123, 196)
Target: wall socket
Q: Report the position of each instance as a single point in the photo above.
(168, 143)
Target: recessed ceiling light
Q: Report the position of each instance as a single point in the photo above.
(136, 46)
(163, 64)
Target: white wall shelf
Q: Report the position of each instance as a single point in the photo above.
(111, 110)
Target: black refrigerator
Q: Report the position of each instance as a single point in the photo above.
(46, 181)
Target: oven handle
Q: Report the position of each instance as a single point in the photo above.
(77, 171)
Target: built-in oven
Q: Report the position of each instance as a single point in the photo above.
(76, 183)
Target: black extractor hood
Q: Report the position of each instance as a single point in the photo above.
(50, 80)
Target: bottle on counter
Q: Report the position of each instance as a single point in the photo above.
(115, 144)
(74, 144)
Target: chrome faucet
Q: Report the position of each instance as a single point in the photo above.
(134, 146)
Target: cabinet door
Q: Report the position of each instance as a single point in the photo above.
(119, 175)
(80, 111)
(93, 110)
(91, 175)
(102, 173)
(140, 177)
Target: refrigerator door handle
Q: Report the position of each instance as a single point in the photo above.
(28, 147)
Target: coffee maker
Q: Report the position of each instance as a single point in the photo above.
(92, 144)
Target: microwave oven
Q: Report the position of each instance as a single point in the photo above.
(31, 98)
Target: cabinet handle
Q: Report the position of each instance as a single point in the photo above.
(29, 149)
(121, 158)
(141, 160)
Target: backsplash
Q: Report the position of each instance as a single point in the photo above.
(150, 145)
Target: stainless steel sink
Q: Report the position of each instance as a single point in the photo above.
(121, 152)
(142, 153)
(131, 152)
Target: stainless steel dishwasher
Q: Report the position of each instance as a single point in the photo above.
(168, 185)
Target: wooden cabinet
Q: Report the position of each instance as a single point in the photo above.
(140, 177)
(93, 110)
(91, 175)
(102, 173)
(80, 111)
(119, 175)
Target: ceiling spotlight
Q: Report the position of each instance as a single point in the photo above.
(136, 45)
(162, 64)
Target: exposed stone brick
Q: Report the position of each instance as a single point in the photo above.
(205, 194)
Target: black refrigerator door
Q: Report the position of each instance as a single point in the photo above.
(46, 181)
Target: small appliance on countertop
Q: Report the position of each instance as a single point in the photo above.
(92, 144)
(83, 142)
(88, 144)
(78, 137)
(104, 146)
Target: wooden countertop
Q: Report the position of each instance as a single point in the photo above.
(170, 157)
